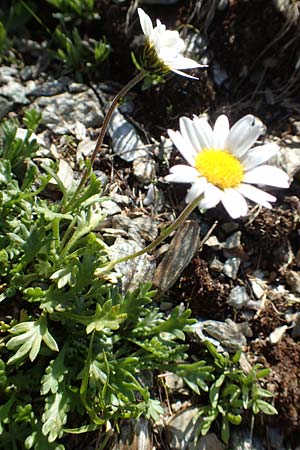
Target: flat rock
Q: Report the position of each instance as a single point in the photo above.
(126, 142)
(180, 429)
(60, 112)
(180, 253)
(227, 333)
(135, 271)
(48, 89)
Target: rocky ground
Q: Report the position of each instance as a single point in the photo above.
(241, 279)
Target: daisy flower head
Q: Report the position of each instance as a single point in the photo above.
(224, 165)
(164, 49)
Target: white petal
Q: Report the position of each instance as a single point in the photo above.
(212, 196)
(268, 175)
(243, 135)
(161, 28)
(221, 130)
(256, 195)
(145, 22)
(259, 155)
(234, 203)
(184, 146)
(182, 174)
(188, 132)
(196, 190)
(203, 132)
(180, 62)
(179, 72)
(171, 39)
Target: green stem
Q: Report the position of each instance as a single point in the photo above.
(165, 233)
(100, 139)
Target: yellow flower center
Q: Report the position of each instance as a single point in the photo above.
(219, 167)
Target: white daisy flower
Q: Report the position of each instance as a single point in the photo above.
(223, 166)
(167, 46)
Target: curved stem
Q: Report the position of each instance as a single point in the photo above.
(165, 233)
(100, 139)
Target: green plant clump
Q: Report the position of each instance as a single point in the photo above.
(73, 348)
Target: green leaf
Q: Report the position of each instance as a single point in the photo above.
(225, 431)
(265, 407)
(54, 374)
(263, 373)
(176, 324)
(55, 415)
(32, 118)
(235, 419)
(65, 276)
(28, 337)
(4, 412)
(245, 395)
(106, 318)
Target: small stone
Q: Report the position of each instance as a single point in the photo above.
(233, 241)
(150, 197)
(164, 150)
(173, 381)
(227, 333)
(48, 89)
(85, 148)
(121, 199)
(180, 429)
(80, 130)
(231, 267)
(214, 242)
(288, 159)
(238, 297)
(293, 280)
(144, 169)
(65, 174)
(258, 287)
(216, 265)
(110, 207)
(277, 334)
(296, 328)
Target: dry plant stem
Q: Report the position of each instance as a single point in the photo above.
(165, 233)
(101, 136)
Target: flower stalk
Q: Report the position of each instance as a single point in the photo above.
(125, 89)
(165, 233)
